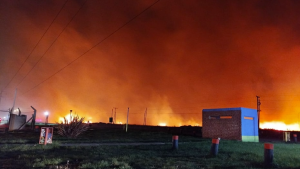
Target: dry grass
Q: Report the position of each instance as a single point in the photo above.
(73, 128)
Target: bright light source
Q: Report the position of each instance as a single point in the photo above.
(162, 124)
(46, 113)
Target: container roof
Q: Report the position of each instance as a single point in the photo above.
(226, 109)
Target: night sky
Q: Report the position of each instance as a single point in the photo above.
(173, 57)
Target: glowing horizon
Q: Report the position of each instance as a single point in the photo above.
(168, 62)
(276, 125)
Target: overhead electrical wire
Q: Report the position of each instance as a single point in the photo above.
(102, 40)
(53, 41)
(37, 44)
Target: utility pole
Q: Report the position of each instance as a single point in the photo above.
(258, 109)
(0, 96)
(33, 118)
(115, 116)
(127, 119)
(46, 121)
(13, 108)
(112, 116)
(145, 117)
(70, 115)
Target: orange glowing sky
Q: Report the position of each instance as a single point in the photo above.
(175, 59)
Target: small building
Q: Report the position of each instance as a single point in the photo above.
(230, 123)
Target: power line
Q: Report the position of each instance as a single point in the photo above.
(53, 42)
(108, 36)
(36, 44)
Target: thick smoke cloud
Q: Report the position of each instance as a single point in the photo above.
(176, 58)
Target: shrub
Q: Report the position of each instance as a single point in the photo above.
(73, 128)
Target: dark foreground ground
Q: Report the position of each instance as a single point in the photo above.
(142, 147)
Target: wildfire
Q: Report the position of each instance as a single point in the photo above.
(162, 124)
(67, 117)
(279, 126)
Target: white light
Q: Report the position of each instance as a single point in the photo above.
(46, 113)
(162, 124)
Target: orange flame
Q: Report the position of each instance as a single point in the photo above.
(69, 117)
(162, 124)
(279, 126)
